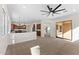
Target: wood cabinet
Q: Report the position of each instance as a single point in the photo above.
(18, 28)
(37, 28)
(38, 33)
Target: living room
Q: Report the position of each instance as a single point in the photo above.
(51, 27)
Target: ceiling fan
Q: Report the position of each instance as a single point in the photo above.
(53, 11)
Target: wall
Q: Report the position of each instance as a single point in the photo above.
(75, 25)
(1, 21)
(7, 20)
(48, 23)
(3, 44)
(4, 20)
(5, 28)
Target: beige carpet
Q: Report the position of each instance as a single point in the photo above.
(48, 46)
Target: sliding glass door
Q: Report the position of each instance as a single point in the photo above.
(67, 27)
(64, 29)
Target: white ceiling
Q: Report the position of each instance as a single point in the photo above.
(31, 12)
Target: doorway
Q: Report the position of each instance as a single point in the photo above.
(47, 31)
(64, 29)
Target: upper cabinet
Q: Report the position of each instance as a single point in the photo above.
(38, 26)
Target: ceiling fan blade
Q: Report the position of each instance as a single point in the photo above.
(46, 14)
(65, 11)
(57, 7)
(59, 10)
(44, 11)
(3, 10)
(48, 7)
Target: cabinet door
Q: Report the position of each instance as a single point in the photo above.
(38, 33)
(38, 26)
